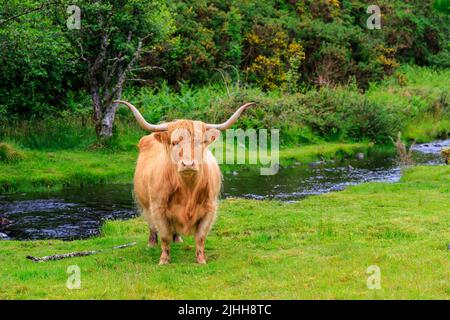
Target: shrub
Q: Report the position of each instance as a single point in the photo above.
(345, 113)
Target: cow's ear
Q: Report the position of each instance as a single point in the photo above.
(144, 143)
(162, 137)
(211, 135)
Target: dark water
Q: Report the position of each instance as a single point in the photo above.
(72, 213)
(75, 213)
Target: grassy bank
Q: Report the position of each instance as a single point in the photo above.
(39, 170)
(317, 248)
(421, 93)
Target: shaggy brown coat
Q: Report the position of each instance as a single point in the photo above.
(173, 202)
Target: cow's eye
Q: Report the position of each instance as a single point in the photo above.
(174, 143)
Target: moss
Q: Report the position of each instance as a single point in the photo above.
(9, 154)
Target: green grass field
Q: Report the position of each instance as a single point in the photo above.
(317, 248)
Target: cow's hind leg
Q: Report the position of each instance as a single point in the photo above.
(200, 237)
(177, 238)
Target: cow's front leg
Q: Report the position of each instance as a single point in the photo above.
(162, 226)
(153, 238)
(165, 251)
(200, 237)
(153, 234)
(200, 249)
(166, 236)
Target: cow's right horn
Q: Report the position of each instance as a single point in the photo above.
(227, 124)
(140, 119)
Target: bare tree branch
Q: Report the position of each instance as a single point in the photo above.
(137, 79)
(148, 68)
(76, 254)
(39, 8)
(81, 50)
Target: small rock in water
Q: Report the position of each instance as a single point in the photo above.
(235, 173)
(315, 164)
(3, 236)
(360, 156)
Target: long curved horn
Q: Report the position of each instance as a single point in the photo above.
(140, 119)
(232, 119)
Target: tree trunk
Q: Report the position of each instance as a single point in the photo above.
(104, 114)
(103, 89)
(97, 106)
(105, 129)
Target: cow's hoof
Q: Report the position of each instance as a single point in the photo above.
(163, 261)
(177, 239)
(201, 260)
(152, 244)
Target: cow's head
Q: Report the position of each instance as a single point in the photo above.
(186, 141)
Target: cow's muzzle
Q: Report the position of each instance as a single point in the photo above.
(188, 166)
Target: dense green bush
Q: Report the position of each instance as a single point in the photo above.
(37, 70)
(336, 45)
(344, 113)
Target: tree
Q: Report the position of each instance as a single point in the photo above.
(111, 38)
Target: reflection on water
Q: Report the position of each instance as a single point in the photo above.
(75, 213)
(297, 181)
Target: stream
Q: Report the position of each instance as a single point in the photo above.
(75, 213)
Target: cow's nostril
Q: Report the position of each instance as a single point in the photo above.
(187, 163)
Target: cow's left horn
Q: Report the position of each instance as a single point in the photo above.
(227, 124)
(140, 119)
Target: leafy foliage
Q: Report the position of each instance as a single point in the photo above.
(336, 45)
(36, 68)
(278, 45)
